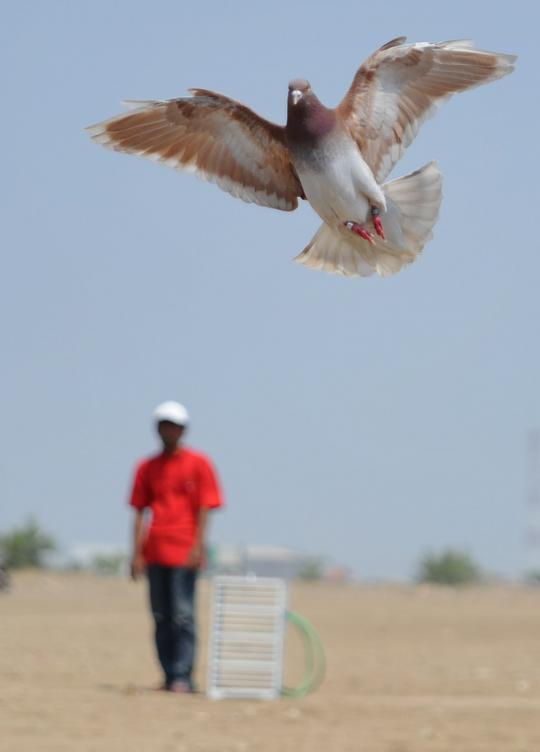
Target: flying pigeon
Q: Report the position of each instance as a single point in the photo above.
(337, 159)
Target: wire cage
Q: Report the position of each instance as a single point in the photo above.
(247, 635)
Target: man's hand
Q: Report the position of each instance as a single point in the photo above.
(195, 556)
(137, 566)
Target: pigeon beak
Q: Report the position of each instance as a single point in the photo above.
(296, 95)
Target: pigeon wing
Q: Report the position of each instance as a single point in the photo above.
(213, 136)
(401, 85)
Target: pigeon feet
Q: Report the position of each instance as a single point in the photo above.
(366, 234)
(360, 230)
(377, 223)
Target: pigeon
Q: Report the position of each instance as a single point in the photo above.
(336, 159)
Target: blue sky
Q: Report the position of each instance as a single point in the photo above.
(368, 420)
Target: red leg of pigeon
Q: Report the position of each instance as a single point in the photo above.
(359, 230)
(377, 223)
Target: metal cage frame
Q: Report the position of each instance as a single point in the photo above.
(247, 637)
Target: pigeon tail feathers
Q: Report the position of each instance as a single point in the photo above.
(413, 203)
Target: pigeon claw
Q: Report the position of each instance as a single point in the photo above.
(361, 231)
(377, 222)
(379, 229)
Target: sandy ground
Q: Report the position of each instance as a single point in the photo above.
(409, 670)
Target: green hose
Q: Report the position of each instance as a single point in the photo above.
(314, 654)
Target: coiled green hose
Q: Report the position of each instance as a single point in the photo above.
(314, 655)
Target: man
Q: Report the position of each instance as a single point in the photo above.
(179, 487)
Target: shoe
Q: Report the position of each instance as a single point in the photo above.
(180, 687)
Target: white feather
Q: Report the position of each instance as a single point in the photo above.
(413, 203)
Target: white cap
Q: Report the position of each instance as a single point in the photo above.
(174, 412)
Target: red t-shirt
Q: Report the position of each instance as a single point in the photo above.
(175, 487)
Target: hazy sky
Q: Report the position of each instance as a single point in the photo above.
(368, 420)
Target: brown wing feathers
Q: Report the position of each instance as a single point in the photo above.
(400, 85)
(219, 139)
(223, 141)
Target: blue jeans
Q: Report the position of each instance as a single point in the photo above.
(172, 600)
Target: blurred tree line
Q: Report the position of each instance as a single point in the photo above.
(26, 546)
(451, 567)
(29, 546)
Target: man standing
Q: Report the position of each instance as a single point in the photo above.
(179, 486)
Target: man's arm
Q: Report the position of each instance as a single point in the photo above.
(137, 560)
(209, 498)
(196, 553)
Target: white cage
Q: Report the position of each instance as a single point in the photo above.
(247, 632)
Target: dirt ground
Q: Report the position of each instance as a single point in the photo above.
(409, 670)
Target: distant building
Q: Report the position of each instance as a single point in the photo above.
(261, 561)
(338, 575)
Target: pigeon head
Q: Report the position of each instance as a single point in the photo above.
(307, 117)
(299, 91)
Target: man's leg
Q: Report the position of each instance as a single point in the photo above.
(183, 632)
(159, 582)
